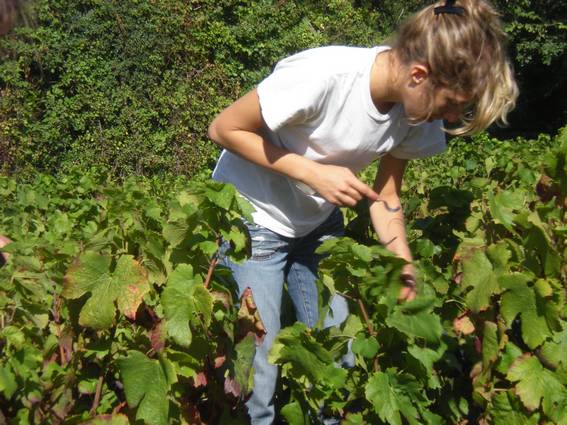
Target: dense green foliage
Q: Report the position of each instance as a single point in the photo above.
(112, 306)
(111, 312)
(131, 86)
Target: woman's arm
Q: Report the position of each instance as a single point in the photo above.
(240, 128)
(388, 218)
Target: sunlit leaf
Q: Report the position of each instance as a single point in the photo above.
(522, 299)
(184, 300)
(126, 286)
(478, 273)
(533, 382)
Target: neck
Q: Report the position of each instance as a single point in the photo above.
(383, 88)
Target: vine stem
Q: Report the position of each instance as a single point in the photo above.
(364, 312)
(371, 330)
(366, 318)
(57, 320)
(212, 265)
(118, 408)
(100, 381)
(98, 392)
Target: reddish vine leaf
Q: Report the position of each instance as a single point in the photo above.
(126, 286)
(249, 320)
(200, 380)
(463, 324)
(191, 414)
(241, 379)
(158, 335)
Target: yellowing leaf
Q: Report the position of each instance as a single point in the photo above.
(507, 410)
(534, 382)
(110, 419)
(91, 273)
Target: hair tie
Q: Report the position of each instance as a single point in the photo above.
(449, 7)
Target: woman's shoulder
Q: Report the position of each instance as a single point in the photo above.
(329, 59)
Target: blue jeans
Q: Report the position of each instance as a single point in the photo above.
(276, 259)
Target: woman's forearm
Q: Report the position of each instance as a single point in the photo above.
(388, 221)
(255, 148)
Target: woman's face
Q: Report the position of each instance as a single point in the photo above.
(421, 101)
(449, 105)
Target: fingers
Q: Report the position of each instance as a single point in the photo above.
(349, 197)
(364, 190)
(408, 293)
(4, 256)
(340, 186)
(4, 241)
(354, 191)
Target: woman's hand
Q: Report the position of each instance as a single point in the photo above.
(409, 289)
(4, 255)
(338, 185)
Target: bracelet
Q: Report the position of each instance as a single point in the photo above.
(389, 208)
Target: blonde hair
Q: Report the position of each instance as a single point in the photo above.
(466, 53)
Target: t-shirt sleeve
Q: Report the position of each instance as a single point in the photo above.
(422, 140)
(292, 94)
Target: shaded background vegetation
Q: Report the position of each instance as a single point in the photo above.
(130, 86)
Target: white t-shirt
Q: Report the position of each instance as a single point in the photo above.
(317, 104)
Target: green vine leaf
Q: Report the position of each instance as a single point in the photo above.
(8, 383)
(184, 300)
(479, 274)
(424, 325)
(393, 396)
(504, 205)
(146, 384)
(309, 358)
(534, 383)
(507, 410)
(126, 286)
(294, 414)
(524, 300)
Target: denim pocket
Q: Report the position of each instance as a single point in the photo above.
(265, 243)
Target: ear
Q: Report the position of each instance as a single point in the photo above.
(419, 73)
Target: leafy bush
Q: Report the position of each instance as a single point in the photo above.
(132, 86)
(113, 309)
